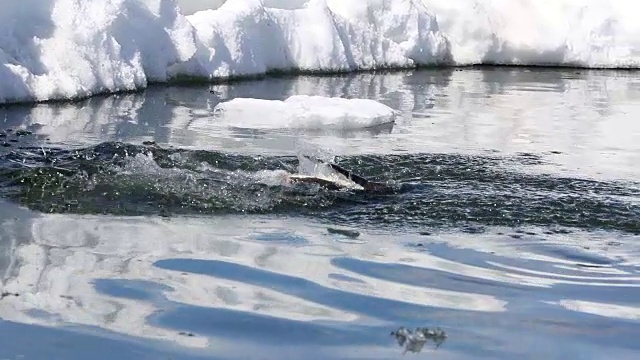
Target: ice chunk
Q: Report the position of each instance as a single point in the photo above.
(302, 112)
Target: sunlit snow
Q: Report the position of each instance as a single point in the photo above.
(62, 49)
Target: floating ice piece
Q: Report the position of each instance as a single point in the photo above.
(303, 112)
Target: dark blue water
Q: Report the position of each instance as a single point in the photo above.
(514, 230)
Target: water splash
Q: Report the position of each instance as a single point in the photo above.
(468, 191)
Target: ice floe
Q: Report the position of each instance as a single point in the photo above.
(301, 112)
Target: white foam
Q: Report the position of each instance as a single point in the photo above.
(300, 112)
(60, 49)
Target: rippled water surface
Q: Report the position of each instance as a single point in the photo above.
(135, 227)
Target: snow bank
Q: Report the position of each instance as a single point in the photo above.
(60, 49)
(245, 37)
(78, 49)
(302, 112)
(585, 33)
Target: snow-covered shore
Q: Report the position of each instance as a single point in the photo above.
(65, 49)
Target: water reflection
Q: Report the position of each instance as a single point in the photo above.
(586, 118)
(230, 281)
(241, 286)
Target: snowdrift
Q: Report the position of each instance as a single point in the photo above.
(65, 49)
(61, 49)
(581, 33)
